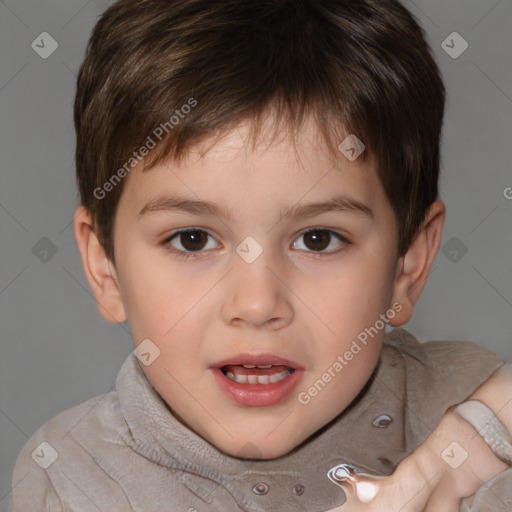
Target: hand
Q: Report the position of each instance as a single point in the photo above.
(424, 481)
(408, 489)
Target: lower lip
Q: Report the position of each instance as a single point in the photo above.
(257, 395)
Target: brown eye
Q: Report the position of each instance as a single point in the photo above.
(189, 241)
(318, 240)
(193, 240)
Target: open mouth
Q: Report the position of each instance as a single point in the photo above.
(256, 374)
(257, 380)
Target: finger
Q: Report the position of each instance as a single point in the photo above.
(358, 486)
(366, 489)
(361, 492)
(439, 502)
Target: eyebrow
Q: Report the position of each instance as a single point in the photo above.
(339, 203)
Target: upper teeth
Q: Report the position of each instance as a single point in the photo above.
(257, 366)
(258, 379)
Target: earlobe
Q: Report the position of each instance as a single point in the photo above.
(413, 268)
(99, 271)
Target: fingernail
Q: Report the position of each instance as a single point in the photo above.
(366, 491)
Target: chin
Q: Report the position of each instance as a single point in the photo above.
(250, 448)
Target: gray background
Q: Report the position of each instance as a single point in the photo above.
(56, 351)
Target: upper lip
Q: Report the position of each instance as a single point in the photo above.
(257, 359)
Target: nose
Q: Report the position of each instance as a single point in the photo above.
(257, 294)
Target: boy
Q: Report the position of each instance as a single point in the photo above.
(258, 189)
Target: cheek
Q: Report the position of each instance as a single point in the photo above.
(354, 298)
(170, 310)
(152, 300)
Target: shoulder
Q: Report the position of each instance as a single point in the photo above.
(58, 431)
(44, 476)
(441, 356)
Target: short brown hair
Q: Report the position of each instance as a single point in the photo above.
(359, 66)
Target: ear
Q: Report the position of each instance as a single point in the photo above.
(99, 270)
(414, 266)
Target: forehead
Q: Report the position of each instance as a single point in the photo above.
(276, 167)
(300, 144)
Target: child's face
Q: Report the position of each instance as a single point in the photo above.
(304, 299)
